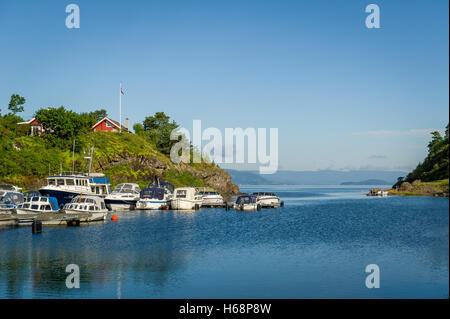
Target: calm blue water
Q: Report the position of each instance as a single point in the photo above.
(317, 246)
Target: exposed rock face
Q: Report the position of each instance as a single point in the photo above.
(147, 168)
(214, 177)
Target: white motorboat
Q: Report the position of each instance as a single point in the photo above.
(186, 198)
(211, 199)
(65, 186)
(123, 197)
(267, 199)
(93, 205)
(9, 201)
(247, 202)
(154, 198)
(37, 205)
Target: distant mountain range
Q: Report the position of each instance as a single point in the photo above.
(325, 177)
(368, 182)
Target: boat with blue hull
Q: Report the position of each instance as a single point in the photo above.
(65, 186)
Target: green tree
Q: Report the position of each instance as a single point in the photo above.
(99, 114)
(16, 104)
(138, 128)
(158, 129)
(436, 165)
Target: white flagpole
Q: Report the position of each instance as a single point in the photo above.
(120, 106)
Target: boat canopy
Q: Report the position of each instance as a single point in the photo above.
(53, 202)
(12, 198)
(99, 180)
(246, 199)
(153, 192)
(162, 184)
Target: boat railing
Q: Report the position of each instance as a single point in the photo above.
(69, 174)
(75, 188)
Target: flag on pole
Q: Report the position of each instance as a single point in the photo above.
(121, 91)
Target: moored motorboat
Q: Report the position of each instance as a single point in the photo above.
(186, 198)
(123, 197)
(92, 208)
(37, 205)
(65, 186)
(247, 202)
(267, 199)
(154, 198)
(9, 201)
(211, 199)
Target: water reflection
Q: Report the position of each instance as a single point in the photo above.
(35, 265)
(309, 248)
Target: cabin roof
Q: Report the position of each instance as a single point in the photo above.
(115, 123)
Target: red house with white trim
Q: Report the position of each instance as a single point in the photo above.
(36, 128)
(108, 125)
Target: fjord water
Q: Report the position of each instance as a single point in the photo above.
(317, 246)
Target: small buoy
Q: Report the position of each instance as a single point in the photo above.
(114, 217)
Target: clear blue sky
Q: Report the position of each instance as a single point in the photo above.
(343, 96)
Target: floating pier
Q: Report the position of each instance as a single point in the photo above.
(51, 219)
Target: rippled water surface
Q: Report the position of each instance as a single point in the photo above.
(317, 246)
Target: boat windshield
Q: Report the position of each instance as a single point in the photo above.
(127, 188)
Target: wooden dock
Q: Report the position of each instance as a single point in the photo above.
(51, 219)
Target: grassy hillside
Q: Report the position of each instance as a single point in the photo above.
(430, 177)
(418, 188)
(26, 160)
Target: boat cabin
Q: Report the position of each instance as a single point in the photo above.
(40, 203)
(185, 193)
(96, 184)
(86, 203)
